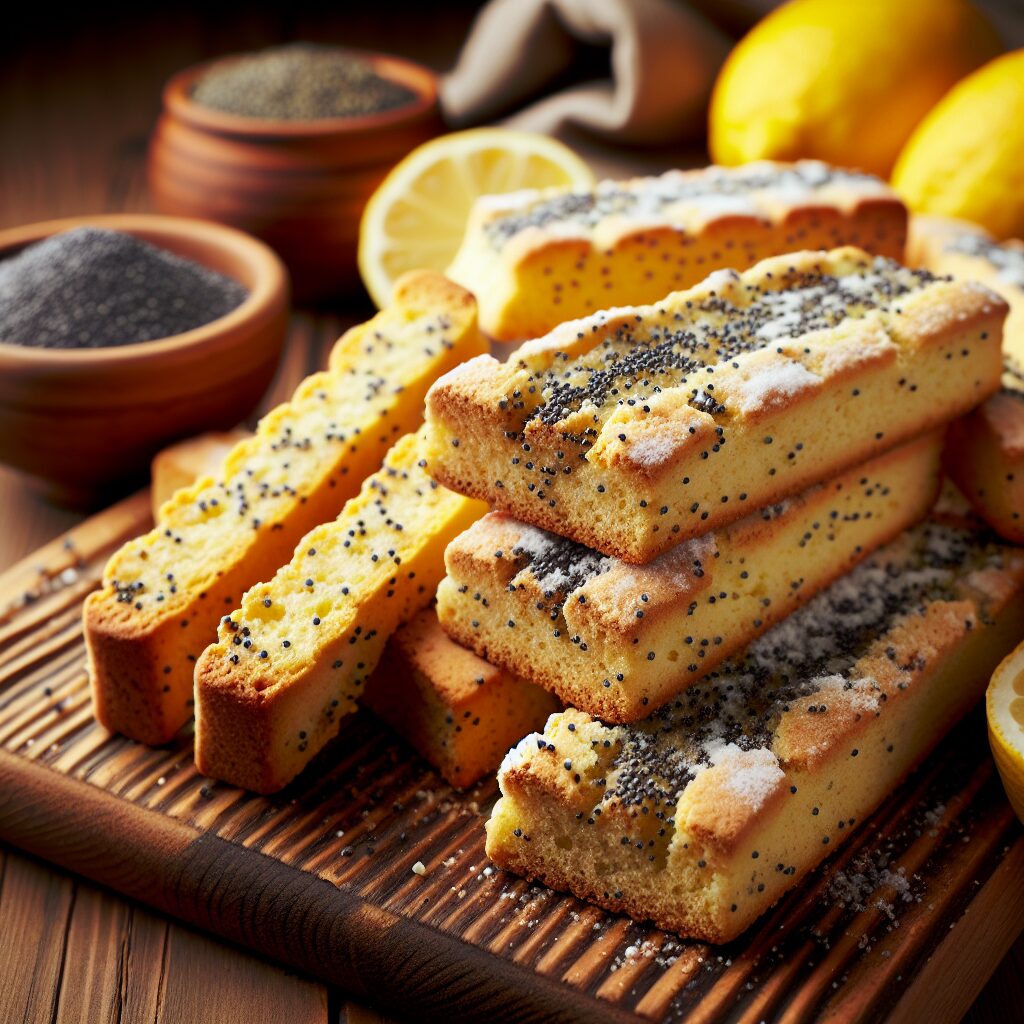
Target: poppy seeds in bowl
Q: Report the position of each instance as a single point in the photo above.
(94, 288)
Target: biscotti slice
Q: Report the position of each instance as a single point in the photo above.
(985, 456)
(460, 712)
(164, 592)
(537, 258)
(295, 657)
(985, 449)
(618, 640)
(182, 464)
(639, 428)
(702, 816)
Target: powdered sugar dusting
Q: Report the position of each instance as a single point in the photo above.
(518, 754)
(861, 694)
(660, 441)
(678, 197)
(772, 383)
(654, 448)
(866, 347)
(753, 775)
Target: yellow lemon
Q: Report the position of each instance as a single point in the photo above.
(842, 81)
(1005, 707)
(966, 158)
(417, 216)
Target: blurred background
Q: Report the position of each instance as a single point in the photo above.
(79, 93)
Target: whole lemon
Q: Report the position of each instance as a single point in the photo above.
(842, 81)
(966, 158)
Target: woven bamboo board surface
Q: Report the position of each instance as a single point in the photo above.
(905, 922)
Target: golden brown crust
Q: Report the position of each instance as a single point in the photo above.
(533, 269)
(619, 640)
(164, 592)
(458, 711)
(629, 436)
(455, 674)
(617, 816)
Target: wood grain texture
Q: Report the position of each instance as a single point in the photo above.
(119, 963)
(202, 981)
(989, 924)
(107, 941)
(319, 877)
(35, 905)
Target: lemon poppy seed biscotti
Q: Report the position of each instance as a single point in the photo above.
(163, 593)
(985, 449)
(294, 658)
(618, 640)
(702, 816)
(638, 428)
(537, 258)
(460, 712)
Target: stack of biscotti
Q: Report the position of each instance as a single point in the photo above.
(985, 450)
(164, 593)
(701, 816)
(629, 241)
(332, 629)
(671, 481)
(458, 711)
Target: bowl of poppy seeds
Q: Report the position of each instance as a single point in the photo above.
(122, 333)
(288, 143)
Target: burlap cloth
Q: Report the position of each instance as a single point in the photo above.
(659, 62)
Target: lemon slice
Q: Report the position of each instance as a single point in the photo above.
(417, 216)
(1005, 708)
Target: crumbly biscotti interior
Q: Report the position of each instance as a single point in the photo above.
(181, 465)
(460, 712)
(293, 659)
(985, 456)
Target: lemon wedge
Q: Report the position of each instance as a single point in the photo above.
(417, 216)
(1004, 705)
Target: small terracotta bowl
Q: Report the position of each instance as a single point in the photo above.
(299, 185)
(83, 419)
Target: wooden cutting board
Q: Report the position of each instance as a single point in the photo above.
(904, 924)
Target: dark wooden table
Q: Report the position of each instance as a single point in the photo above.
(75, 112)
